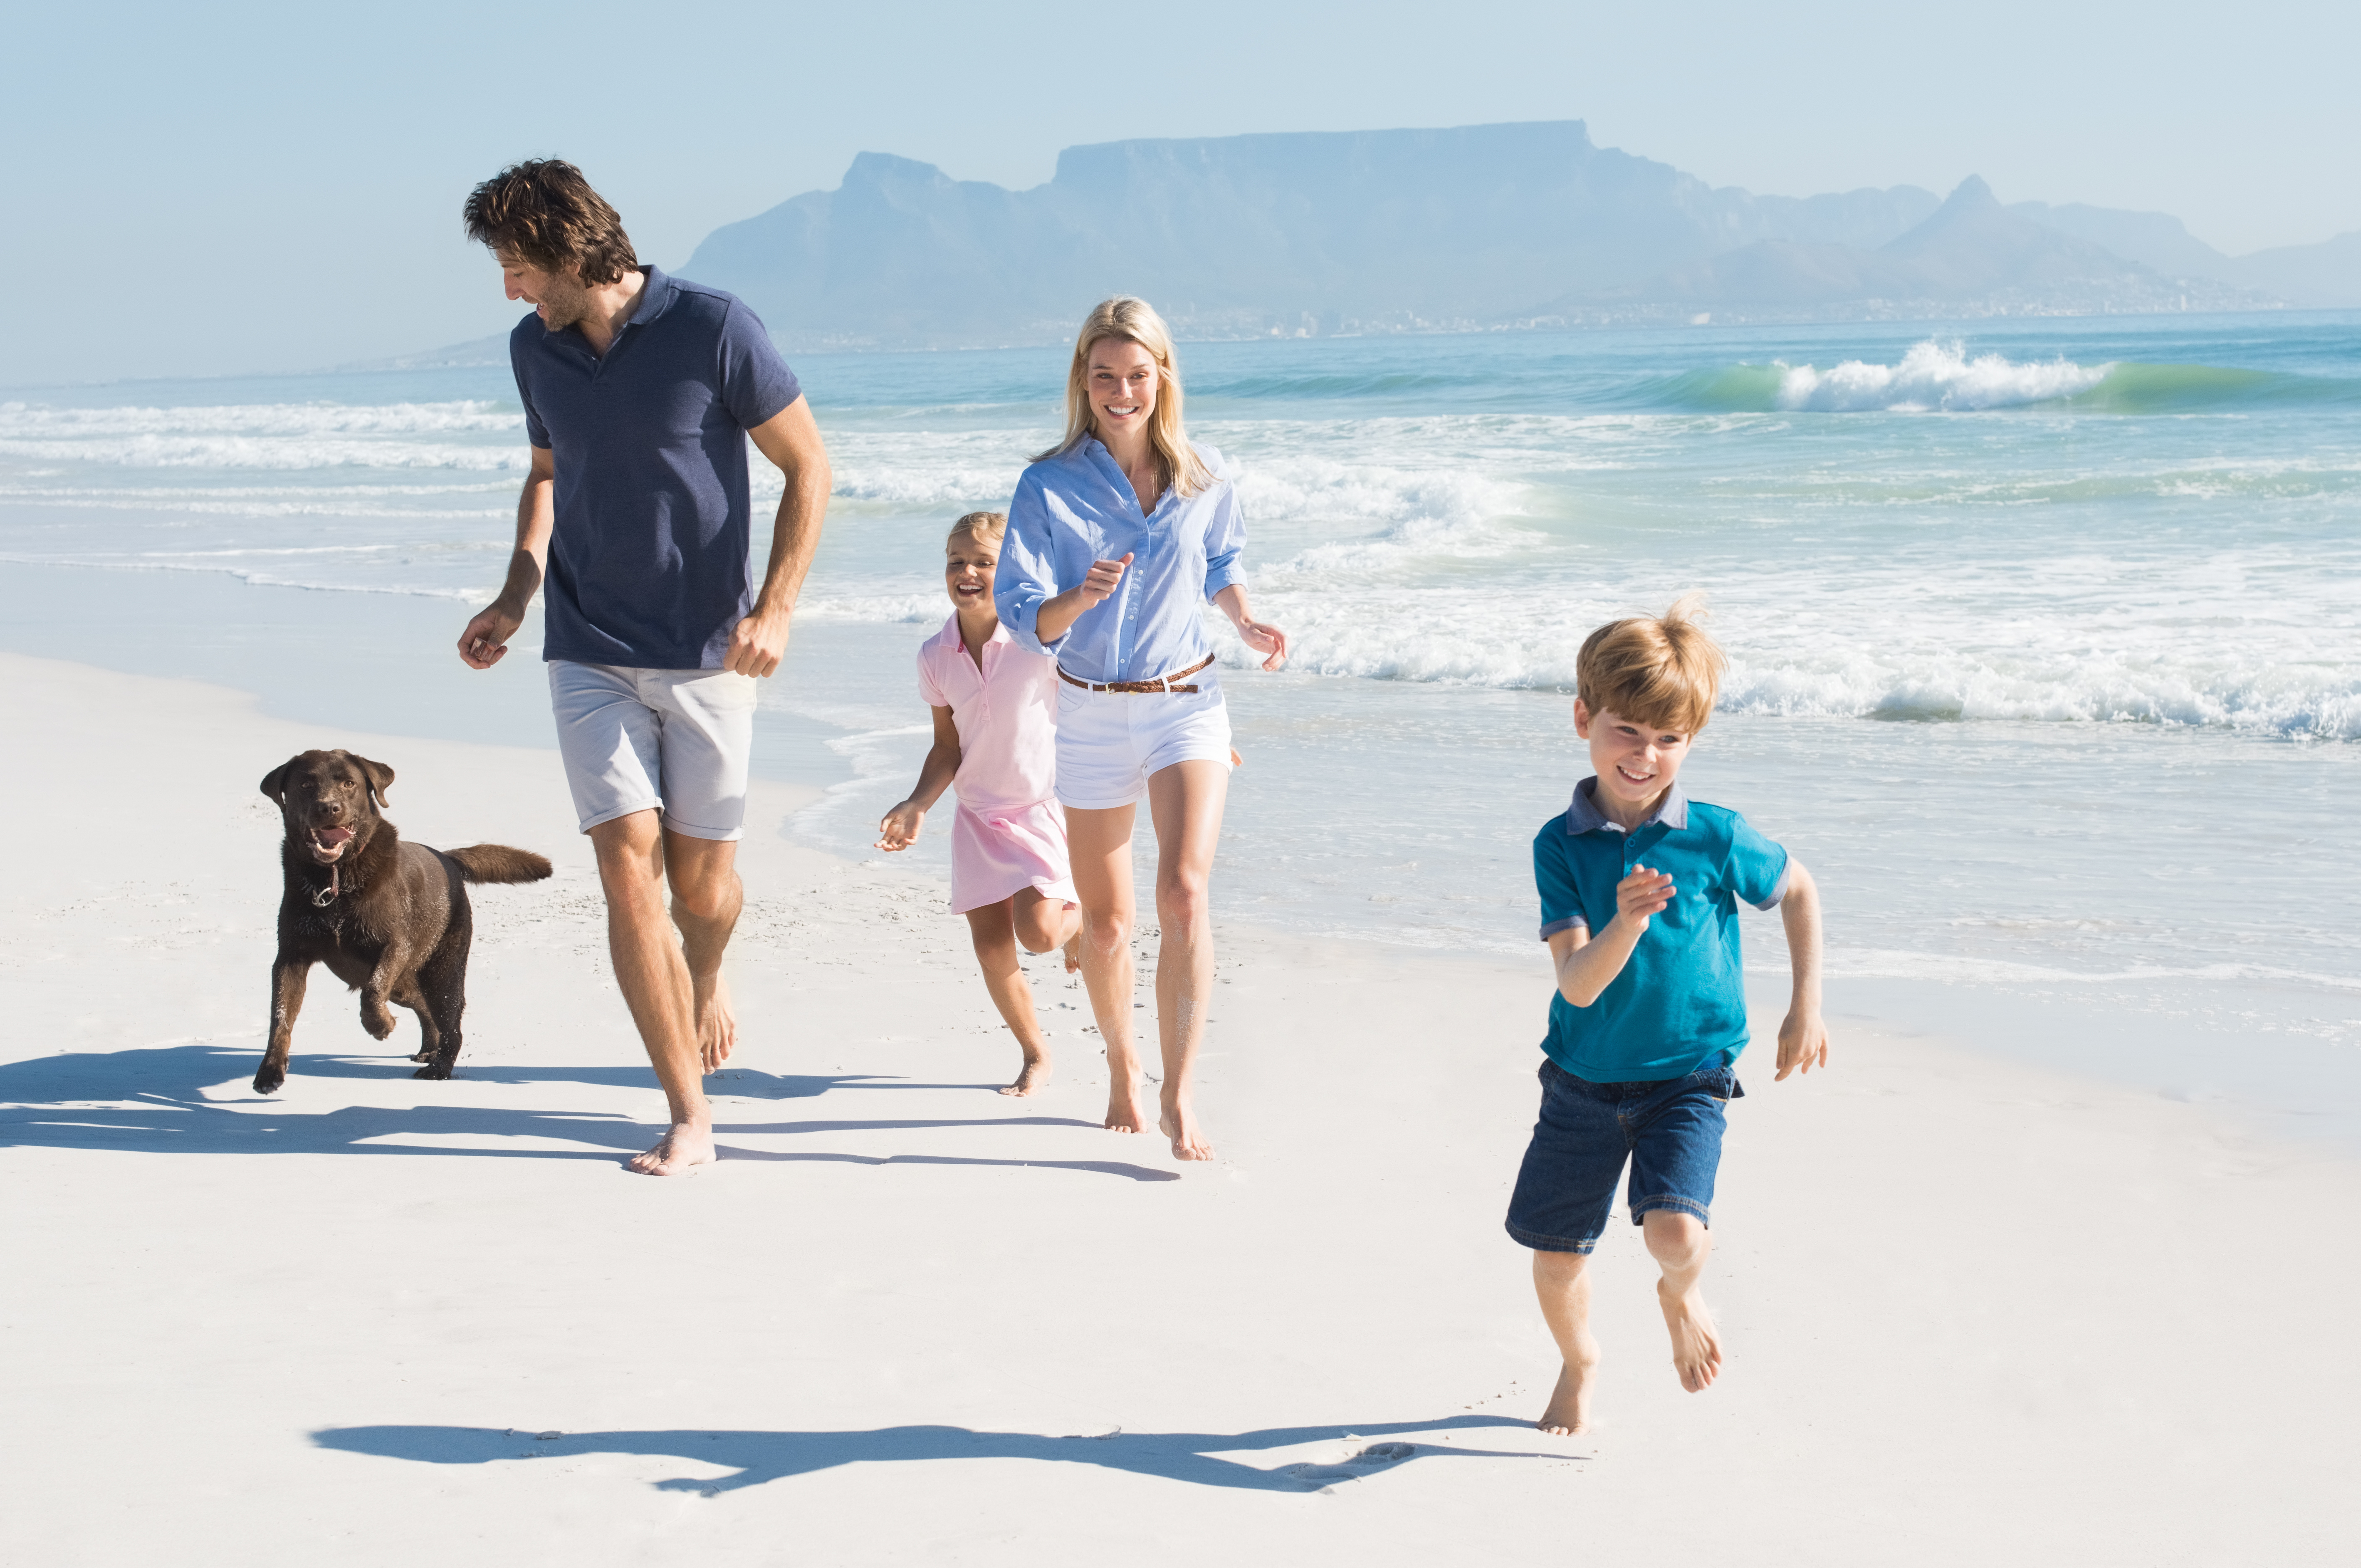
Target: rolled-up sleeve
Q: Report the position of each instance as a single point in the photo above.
(1225, 540)
(1027, 576)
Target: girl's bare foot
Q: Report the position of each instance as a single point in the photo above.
(1179, 1123)
(1696, 1348)
(1073, 951)
(1034, 1075)
(1568, 1412)
(681, 1150)
(716, 1024)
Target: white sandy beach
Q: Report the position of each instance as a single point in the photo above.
(1972, 1313)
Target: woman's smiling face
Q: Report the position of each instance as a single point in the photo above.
(1122, 379)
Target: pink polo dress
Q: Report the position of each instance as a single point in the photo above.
(1009, 833)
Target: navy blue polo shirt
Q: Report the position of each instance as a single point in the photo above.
(648, 562)
(1680, 1001)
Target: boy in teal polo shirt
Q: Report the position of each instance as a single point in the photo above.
(1640, 888)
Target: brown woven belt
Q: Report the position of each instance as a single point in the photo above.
(1160, 684)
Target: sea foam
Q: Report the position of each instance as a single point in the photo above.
(1934, 377)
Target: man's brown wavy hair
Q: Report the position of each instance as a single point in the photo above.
(543, 212)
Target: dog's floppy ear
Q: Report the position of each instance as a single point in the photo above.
(379, 777)
(274, 783)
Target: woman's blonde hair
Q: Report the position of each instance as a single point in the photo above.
(1660, 671)
(984, 527)
(1134, 320)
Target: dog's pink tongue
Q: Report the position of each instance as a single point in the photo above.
(333, 835)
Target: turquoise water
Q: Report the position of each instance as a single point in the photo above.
(2044, 636)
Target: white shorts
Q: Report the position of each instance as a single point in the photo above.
(1109, 742)
(671, 740)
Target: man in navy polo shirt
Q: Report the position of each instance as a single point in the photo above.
(641, 392)
(1640, 889)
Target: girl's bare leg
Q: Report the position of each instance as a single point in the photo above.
(1100, 844)
(994, 931)
(1046, 923)
(1185, 801)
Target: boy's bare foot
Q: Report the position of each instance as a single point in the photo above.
(1036, 1074)
(1127, 1108)
(1179, 1123)
(717, 1024)
(1696, 1348)
(681, 1150)
(1568, 1413)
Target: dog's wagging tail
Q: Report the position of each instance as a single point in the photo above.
(389, 918)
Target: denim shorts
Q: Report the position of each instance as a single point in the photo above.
(1670, 1130)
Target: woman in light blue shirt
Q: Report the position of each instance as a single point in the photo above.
(1115, 537)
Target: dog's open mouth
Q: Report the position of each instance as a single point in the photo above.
(328, 843)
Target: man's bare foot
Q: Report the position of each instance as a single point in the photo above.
(1568, 1412)
(681, 1150)
(1036, 1075)
(1179, 1123)
(1696, 1348)
(1127, 1108)
(717, 1024)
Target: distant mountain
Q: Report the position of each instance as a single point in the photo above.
(1247, 236)
(2326, 276)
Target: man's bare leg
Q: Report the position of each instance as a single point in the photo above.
(655, 985)
(1680, 1245)
(1100, 844)
(1185, 801)
(994, 931)
(707, 895)
(1562, 1280)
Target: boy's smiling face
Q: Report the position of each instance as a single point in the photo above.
(1636, 763)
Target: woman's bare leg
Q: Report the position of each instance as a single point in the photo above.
(994, 931)
(1100, 844)
(1185, 801)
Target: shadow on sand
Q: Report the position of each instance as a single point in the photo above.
(757, 1458)
(155, 1100)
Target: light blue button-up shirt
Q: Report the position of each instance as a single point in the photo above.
(1076, 508)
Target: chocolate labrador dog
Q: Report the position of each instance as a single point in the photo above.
(390, 919)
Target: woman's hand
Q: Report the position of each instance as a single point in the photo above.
(1265, 638)
(1103, 579)
(899, 828)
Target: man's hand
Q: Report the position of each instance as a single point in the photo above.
(1803, 1041)
(758, 644)
(1642, 894)
(899, 828)
(487, 636)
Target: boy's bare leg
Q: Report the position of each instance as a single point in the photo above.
(994, 931)
(1562, 1280)
(1185, 801)
(707, 894)
(1100, 844)
(655, 984)
(1680, 1245)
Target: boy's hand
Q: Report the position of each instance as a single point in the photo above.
(1642, 894)
(899, 828)
(1103, 579)
(1803, 1041)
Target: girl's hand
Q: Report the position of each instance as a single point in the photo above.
(1266, 638)
(899, 828)
(1642, 894)
(1103, 579)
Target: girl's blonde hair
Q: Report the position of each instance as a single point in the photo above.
(984, 527)
(1134, 320)
(1660, 670)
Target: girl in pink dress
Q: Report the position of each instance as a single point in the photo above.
(995, 706)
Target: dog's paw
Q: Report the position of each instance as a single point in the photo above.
(268, 1080)
(378, 1022)
(435, 1067)
(422, 1054)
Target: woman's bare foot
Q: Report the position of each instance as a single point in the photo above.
(1127, 1108)
(1696, 1348)
(1034, 1075)
(682, 1149)
(1179, 1123)
(1568, 1412)
(717, 1024)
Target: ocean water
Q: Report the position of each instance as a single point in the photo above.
(2044, 636)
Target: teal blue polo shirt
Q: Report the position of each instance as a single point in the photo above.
(1680, 1002)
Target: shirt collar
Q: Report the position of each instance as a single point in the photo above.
(1584, 815)
(654, 295)
(949, 637)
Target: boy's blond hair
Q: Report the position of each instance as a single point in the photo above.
(984, 527)
(1662, 672)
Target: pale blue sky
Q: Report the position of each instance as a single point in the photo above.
(215, 188)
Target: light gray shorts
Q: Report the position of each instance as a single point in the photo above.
(671, 740)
